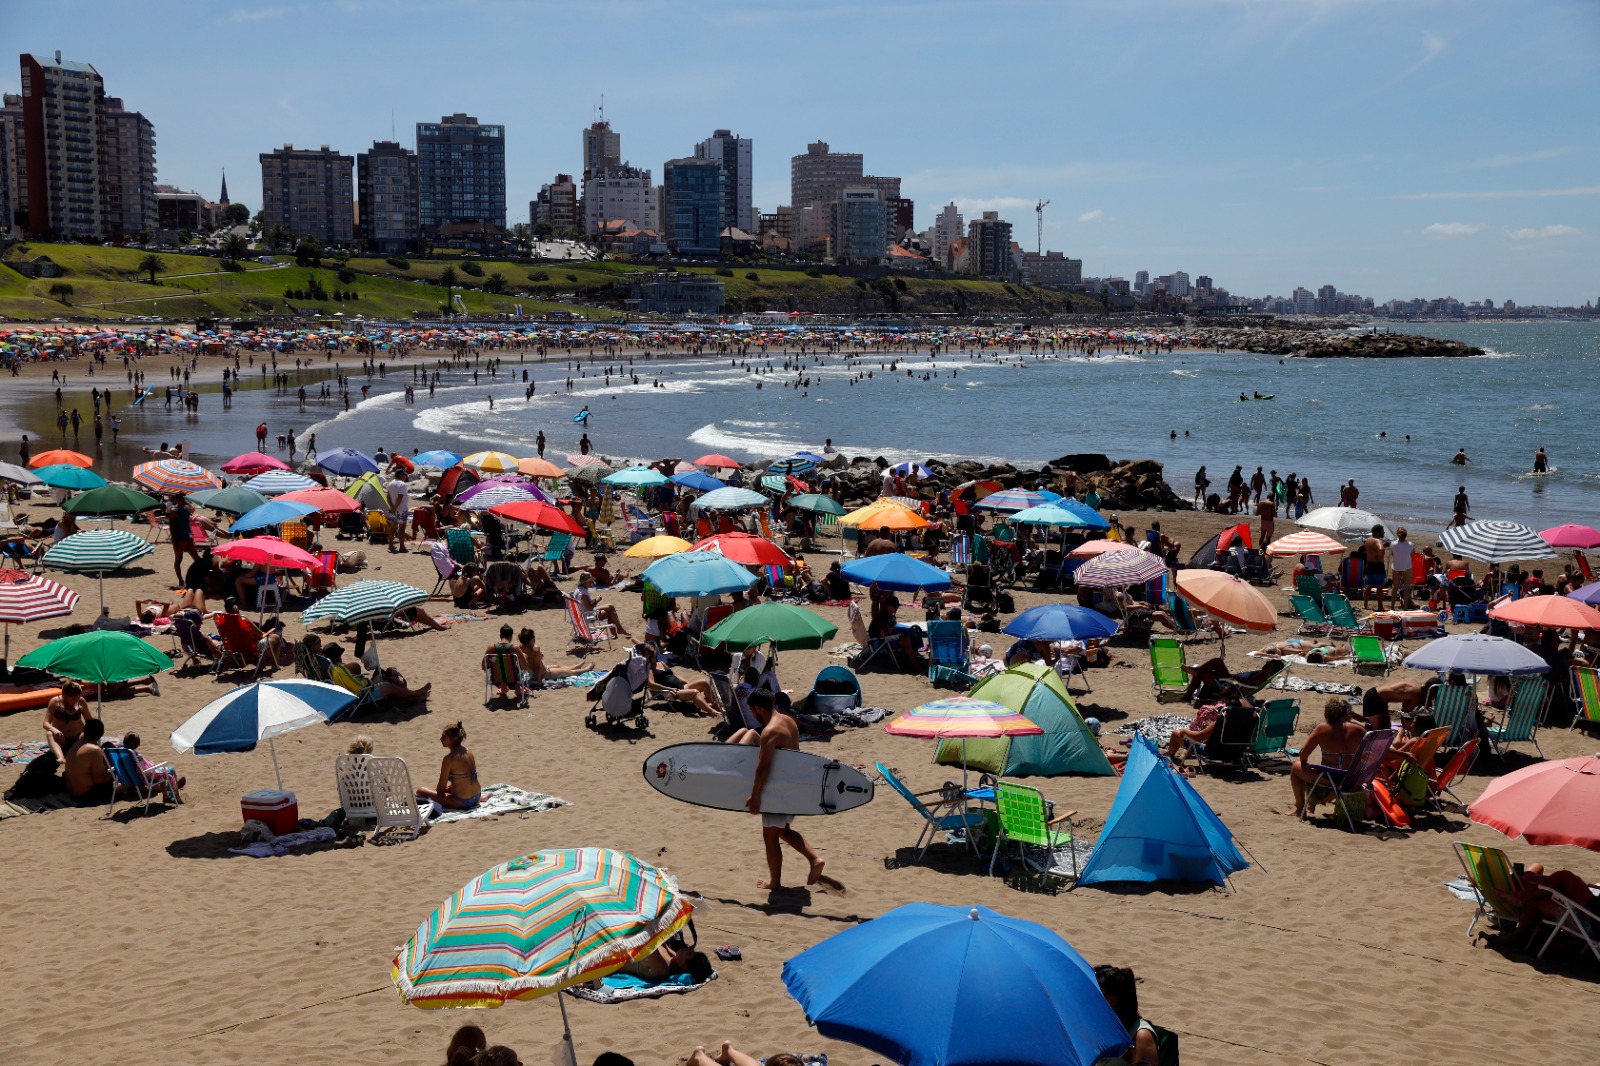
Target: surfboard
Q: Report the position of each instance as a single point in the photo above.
(143, 396)
(1254, 399)
(581, 416)
(719, 776)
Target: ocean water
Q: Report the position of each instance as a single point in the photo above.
(1329, 420)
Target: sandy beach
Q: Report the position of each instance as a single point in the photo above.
(1335, 948)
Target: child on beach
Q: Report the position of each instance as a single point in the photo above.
(156, 773)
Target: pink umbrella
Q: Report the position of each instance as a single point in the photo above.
(268, 551)
(328, 501)
(252, 463)
(586, 460)
(1546, 803)
(1571, 536)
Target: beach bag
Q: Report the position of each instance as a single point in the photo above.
(38, 778)
(1410, 785)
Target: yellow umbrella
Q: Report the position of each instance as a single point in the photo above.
(657, 547)
(491, 462)
(884, 514)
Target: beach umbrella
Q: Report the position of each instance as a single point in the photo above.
(589, 475)
(884, 514)
(272, 513)
(18, 475)
(815, 503)
(697, 481)
(110, 500)
(961, 716)
(730, 499)
(1551, 612)
(1060, 621)
(97, 551)
(977, 490)
(1062, 513)
(102, 656)
(746, 549)
(488, 497)
(1589, 594)
(175, 475)
(812, 456)
(782, 624)
(490, 462)
(538, 924)
(29, 598)
(264, 710)
(1545, 803)
(585, 460)
(533, 466)
(1496, 542)
(58, 456)
(278, 482)
(907, 469)
(323, 500)
(1227, 598)
(1341, 521)
(717, 461)
(1567, 536)
(637, 476)
(252, 463)
(67, 476)
(693, 573)
(1305, 542)
(912, 984)
(792, 465)
(657, 547)
(1476, 653)
(514, 480)
(268, 551)
(365, 601)
(437, 457)
(347, 462)
(1011, 500)
(540, 514)
(1090, 548)
(896, 572)
(234, 500)
(1118, 569)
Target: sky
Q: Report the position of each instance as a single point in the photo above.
(1391, 148)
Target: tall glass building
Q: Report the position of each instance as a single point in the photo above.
(461, 173)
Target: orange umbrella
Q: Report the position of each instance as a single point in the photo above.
(61, 455)
(1552, 612)
(328, 501)
(533, 466)
(884, 514)
(1098, 547)
(1306, 542)
(1228, 598)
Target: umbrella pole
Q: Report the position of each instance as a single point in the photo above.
(571, 1057)
(273, 747)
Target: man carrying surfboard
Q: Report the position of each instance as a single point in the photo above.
(778, 730)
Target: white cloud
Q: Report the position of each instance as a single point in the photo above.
(1506, 160)
(1092, 216)
(1541, 233)
(1454, 229)
(1503, 194)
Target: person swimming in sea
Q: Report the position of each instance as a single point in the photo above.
(1460, 458)
(1541, 462)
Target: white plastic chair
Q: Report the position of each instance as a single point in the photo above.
(393, 795)
(353, 775)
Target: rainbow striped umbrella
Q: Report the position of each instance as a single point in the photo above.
(1120, 568)
(538, 924)
(962, 716)
(175, 475)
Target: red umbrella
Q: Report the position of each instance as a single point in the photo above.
(538, 513)
(718, 461)
(328, 501)
(746, 549)
(1546, 803)
(252, 463)
(1552, 612)
(269, 551)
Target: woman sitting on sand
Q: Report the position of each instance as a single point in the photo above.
(535, 671)
(1119, 987)
(458, 788)
(66, 715)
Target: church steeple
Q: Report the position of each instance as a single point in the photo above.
(224, 200)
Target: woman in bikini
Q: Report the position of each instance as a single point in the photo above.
(535, 671)
(66, 715)
(458, 788)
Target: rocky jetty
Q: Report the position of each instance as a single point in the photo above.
(1281, 339)
(1126, 484)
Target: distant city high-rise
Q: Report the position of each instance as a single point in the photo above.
(815, 180)
(309, 192)
(734, 155)
(1304, 301)
(390, 216)
(461, 174)
(692, 196)
(1141, 282)
(127, 171)
(602, 148)
(858, 224)
(557, 205)
(619, 193)
(1178, 284)
(948, 227)
(8, 173)
(989, 246)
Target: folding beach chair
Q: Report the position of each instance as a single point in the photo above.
(948, 814)
(1312, 620)
(1494, 883)
(187, 633)
(365, 689)
(126, 776)
(1442, 777)
(558, 552)
(306, 664)
(961, 552)
(375, 791)
(1274, 728)
(1453, 706)
(321, 578)
(1167, 676)
(950, 655)
(1229, 746)
(296, 533)
(352, 526)
(1369, 654)
(587, 631)
(871, 649)
(238, 648)
(1183, 619)
(1309, 586)
(1577, 920)
(1352, 785)
(462, 550)
(504, 670)
(1025, 822)
(377, 527)
(1523, 718)
(443, 565)
(1585, 690)
(1337, 607)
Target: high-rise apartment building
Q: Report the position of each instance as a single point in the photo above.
(557, 204)
(1304, 300)
(1178, 284)
(734, 155)
(461, 174)
(948, 227)
(858, 225)
(14, 174)
(390, 216)
(1052, 270)
(602, 148)
(619, 194)
(1141, 282)
(127, 171)
(8, 181)
(989, 246)
(692, 192)
(309, 192)
(818, 176)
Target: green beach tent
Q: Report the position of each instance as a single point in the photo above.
(1037, 692)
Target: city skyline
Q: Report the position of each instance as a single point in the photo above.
(1430, 150)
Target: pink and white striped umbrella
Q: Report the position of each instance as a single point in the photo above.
(1306, 542)
(175, 475)
(1117, 569)
(28, 598)
(586, 460)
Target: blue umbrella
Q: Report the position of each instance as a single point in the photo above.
(1476, 653)
(241, 719)
(1063, 513)
(67, 476)
(637, 476)
(896, 572)
(927, 985)
(437, 457)
(1060, 621)
(811, 457)
(698, 482)
(697, 573)
(272, 513)
(347, 462)
(1589, 594)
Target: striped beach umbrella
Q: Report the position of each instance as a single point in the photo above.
(583, 460)
(962, 716)
(365, 601)
(97, 551)
(1496, 542)
(243, 718)
(517, 480)
(1306, 542)
(278, 482)
(792, 465)
(29, 598)
(730, 499)
(487, 496)
(1120, 568)
(67, 476)
(537, 924)
(1012, 500)
(491, 462)
(175, 475)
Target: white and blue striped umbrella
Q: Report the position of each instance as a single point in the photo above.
(730, 499)
(1496, 542)
(278, 482)
(261, 711)
(365, 601)
(495, 495)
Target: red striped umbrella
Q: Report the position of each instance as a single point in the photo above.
(1116, 569)
(29, 597)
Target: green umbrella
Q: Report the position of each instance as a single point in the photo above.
(234, 500)
(102, 656)
(110, 500)
(812, 501)
(781, 624)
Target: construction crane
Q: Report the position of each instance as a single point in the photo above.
(1039, 210)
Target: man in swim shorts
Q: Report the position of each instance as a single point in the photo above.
(778, 730)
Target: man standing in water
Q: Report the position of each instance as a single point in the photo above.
(778, 730)
(1541, 462)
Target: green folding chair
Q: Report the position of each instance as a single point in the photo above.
(1521, 723)
(1586, 695)
(1167, 676)
(1496, 886)
(1312, 620)
(1337, 607)
(1025, 821)
(1453, 706)
(1309, 586)
(1370, 656)
(1274, 727)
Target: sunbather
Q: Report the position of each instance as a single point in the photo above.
(1212, 678)
(1313, 651)
(539, 585)
(391, 686)
(589, 600)
(669, 961)
(1335, 740)
(535, 670)
(729, 1055)
(1536, 897)
(458, 788)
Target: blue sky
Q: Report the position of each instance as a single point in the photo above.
(1392, 148)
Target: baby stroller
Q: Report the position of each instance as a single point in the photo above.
(621, 696)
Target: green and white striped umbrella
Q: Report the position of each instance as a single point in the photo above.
(365, 601)
(97, 551)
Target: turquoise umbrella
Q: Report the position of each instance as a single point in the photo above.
(697, 573)
(67, 476)
(636, 476)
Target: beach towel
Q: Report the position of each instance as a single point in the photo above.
(1158, 727)
(1290, 683)
(16, 808)
(267, 849)
(23, 753)
(621, 987)
(588, 679)
(1461, 889)
(845, 651)
(462, 616)
(503, 799)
